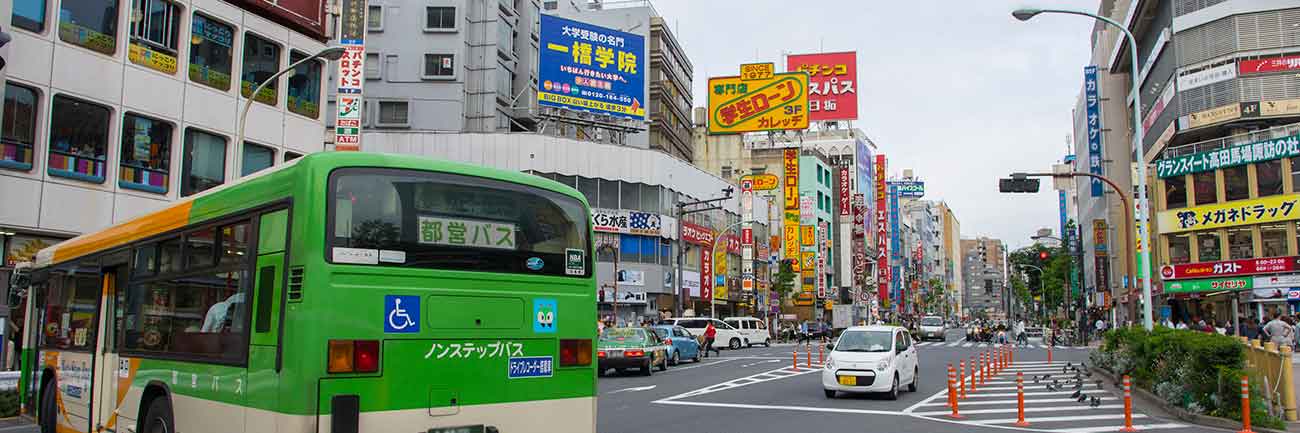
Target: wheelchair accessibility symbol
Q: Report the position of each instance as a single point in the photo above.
(401, 314)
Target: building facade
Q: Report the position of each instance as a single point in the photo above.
(984, 272)
(113, 112)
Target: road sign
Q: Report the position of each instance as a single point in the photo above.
(776, 103)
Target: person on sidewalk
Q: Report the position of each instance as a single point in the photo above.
(710, 334)
(1278, 331)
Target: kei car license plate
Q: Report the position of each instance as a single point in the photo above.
(849, 380)
(616, 354)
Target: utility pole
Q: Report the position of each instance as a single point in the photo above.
(680, 212)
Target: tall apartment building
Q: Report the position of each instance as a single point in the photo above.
(952, 259)
(114, 109)
(984, 272)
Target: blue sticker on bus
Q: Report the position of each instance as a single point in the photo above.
(534, 263)
(401, 314)
(545, 310)
(530, 366)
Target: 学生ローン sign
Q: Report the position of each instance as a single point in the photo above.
(1234, 213)
(773, 104)
(591, 68)
(763, 182)
(832, 89)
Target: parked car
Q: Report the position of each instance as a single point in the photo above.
(753, 328)
(681, 344)
(932, 327)
(628, 347)
(728, 336)
(871, 359)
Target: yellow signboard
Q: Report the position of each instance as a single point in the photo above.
(757, 71)
(809, 259)
(777, 103)
(791, 237)
(790, 160)
(1214, 115)
(808, 235)
(1283, 107)
(763, 182)
(720, 269)
(1233, 213)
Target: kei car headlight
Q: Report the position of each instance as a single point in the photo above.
(882, 365)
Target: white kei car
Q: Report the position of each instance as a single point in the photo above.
(871, 359)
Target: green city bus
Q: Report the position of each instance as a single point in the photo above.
(340, 292)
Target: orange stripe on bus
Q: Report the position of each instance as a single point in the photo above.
(161, 221)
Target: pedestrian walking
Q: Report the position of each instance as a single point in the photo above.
(1022, 337)
(710, 334)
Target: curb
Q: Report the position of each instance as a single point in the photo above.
(1203, 420)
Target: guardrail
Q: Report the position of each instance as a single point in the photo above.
(1273, 364)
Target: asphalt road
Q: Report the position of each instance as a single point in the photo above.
(755, 390)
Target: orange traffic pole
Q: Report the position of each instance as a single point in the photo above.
(984, 367)
(821, 354)
(794, 354)
(952, 396)
(1245, 406)
(1128, 406)
(1049, 354)
(974, 373)
(807, 351)
(961, 379)
(1020, 400)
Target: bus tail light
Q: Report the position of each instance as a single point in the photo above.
(353, 356)
(340, 356)
(576, 353)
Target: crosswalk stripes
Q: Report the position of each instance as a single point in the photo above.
(990, 345)
(1057, 410)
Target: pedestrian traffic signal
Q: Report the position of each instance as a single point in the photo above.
(1018, 185)
(1042, 255)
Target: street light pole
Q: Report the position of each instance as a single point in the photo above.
(1144, 211)
(331, 54)
(614, 298)
(718, 238)
(681, 213)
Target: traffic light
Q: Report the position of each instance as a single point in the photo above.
(1042, 255)
(1017, 185)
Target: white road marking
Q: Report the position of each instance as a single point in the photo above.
(780, 373)
(967, 345)
(1056, 418)
(1015, 409)
(794, 408)
(636, 388)
(965, 403)
(1114, 428)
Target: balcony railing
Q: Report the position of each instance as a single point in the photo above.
(1232, 140)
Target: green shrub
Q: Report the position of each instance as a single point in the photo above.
(8, 404)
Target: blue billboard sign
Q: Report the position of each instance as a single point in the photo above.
(591, 68)
(909, 188)
(1092, 104)
(895, 245)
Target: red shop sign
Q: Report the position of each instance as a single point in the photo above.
(1262, 66)
(1230, 267)
(697, 234)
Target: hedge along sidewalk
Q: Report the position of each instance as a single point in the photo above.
(1150, 404)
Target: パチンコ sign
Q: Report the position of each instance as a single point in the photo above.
(741, 104)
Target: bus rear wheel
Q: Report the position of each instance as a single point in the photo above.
(48, 406)
(159, 417)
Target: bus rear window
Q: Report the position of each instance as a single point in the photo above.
(446, 221)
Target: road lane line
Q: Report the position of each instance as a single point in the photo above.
(793, 408)
(1027, 409)
(1009, 402)
(967, 345)
(1056, 418)
(1107, 429)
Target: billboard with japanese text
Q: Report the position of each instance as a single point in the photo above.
(777, 103)
(591, 68)
(832, 84)
(1092, 105)
(1234, 213)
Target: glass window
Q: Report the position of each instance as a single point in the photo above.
(89, 23)
(505, 37)
(603, 239)
(29, 14)
(71, 303)
(1241, 243)
(1272, 238)
(449, 221)
(566, 180)
(256, 158)
(304, 86)
(146, 154)
(1175, 192)
(439, 66)
(78, 139)
(1236, 186)
(649, 198)
(1180, 248)
(440, 18)
(195, 316)
(373, 66)
(146, 261)
(587, 186)
(234, 242)
(608, 194)
(629, 249)
(261, 61)
(18, 130)
(290, 156)
(649, 249)
(1295, 173)
(204, 165)
(1268, 177)
(375, 18)
(1208, 246)
(393, 113)
(1204, 188)
(169, 255)
(155, 34)
(630, 196)
(200, 248)
(210, 52)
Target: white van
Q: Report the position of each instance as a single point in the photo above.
(753, 328)
(728, 336)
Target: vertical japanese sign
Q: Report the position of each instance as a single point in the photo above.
(351, 72)
(896, 242)
(591, 68)
(1092, 104)
(859, 246)
(882, 233)
(823, 230)
(747, 236)
(1099, 237)
(832, 77)
(790, 192)
(846, 195)
(706, 273)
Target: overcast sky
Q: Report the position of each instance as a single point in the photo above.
(957, 90)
